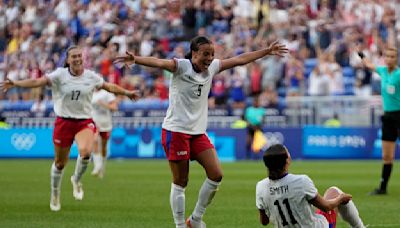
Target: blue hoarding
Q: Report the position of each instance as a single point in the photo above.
(291, 137)
(306, 142)
(146, 143)
(124, 142)
(28, 143)
(321, 142)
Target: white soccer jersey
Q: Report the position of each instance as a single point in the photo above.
(72, 95)
(102, 115)
(286, 202)
(188, 98)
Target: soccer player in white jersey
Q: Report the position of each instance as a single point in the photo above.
(103, 103)
(184, 128)
(72, 88)
(287, 200)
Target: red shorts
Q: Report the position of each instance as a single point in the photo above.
(105, 135)
(181, 146)
(65, 130)
(330, 217)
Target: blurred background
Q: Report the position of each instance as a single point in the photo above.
(318, 100)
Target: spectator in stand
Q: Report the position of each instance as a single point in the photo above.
(255, 78)
(95, 25)
(269, 98)
(294, 76)
(318, 83)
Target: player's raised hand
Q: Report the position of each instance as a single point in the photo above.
(6, 85)
(132, 94)
(277, 48)
(345, 198)
(127, 59)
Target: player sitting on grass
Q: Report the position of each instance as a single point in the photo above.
(286, 199)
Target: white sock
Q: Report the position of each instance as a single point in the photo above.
(349, 213)
(97, 161)
(103, 164)
(177, 201)
(206, 194)
(80, 168)
(55, 178)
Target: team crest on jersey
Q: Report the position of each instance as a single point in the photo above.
(91, 125)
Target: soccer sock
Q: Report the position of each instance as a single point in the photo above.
(386, 171)
(80, 168)
(206, 194)
(349, 213)
(177, 201)
(97, 161)
(103, 163)
(55, 178)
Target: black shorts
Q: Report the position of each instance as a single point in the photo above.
(390, 126)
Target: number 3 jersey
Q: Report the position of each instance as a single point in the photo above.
(286, 202)
(72, 95)
(188, 98)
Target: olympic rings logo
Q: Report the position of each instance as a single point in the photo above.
(23, 141)
(274, 138)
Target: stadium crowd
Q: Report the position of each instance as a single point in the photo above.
(322, 35)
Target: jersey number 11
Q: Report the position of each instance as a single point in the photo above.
(289, 211)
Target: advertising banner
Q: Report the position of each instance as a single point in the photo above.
(322, 142)
(28, 143)
(146, 143)
(309, 142)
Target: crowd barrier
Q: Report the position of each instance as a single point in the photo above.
(308, 142)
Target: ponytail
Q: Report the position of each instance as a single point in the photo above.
(195, 43)
(188, 55)
(275, 158)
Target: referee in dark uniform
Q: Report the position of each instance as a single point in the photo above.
(390, 86)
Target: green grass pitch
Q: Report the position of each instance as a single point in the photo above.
(135, 193)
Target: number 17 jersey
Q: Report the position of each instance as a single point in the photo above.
(286, 202)
(72, 95)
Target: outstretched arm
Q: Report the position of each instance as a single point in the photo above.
(274, 49)
(327, 205)
(118, 90)
(112, 106)
(130, 58)
(366, 62)
(27, 83)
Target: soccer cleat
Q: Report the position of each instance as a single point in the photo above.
(98, 172)
(77, 190)
(55, 204)
(95, 171)
(378, 191)
(190, 223)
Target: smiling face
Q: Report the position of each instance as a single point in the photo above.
(203, 57)
(75, 60)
